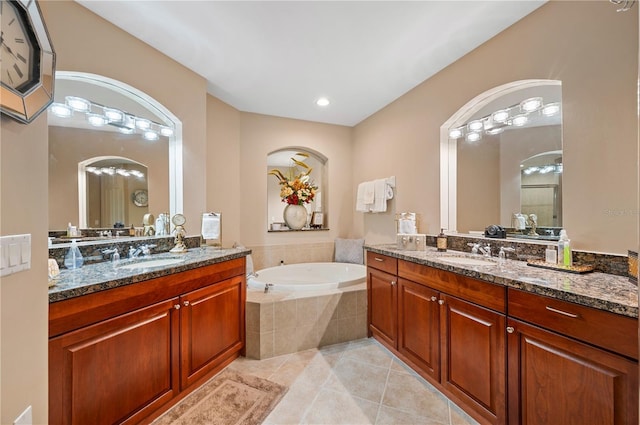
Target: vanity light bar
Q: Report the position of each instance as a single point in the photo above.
(544, 169)
(498, 121)
(113, 171)
(99, 115)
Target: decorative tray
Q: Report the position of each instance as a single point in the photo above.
(576, 268)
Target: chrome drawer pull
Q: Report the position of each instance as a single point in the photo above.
(573, 316)
(378, 259)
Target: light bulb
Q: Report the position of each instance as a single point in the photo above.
(150, 135)
(96, 120)
(455, 133)
(78, 104)
(531, 104)
(61, 110)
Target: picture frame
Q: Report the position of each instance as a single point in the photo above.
(317, 220)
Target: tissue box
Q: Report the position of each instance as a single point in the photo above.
(411, 241)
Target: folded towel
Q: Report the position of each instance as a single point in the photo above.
(368, 196)
(362, 206)
(383, 192)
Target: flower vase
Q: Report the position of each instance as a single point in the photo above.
(295, 216)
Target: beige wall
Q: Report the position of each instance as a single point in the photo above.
(593, 50)
(260, 135)
(23, 296)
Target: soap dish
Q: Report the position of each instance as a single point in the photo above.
(576, 268)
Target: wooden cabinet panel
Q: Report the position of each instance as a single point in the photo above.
(419, 326)
(474, 356)
(117, 371)
(486, 294)
(607, 330)
(382, 262)
(557, 380)
(382, 308)
(209, 322)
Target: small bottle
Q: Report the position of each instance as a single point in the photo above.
(132, 231)
(551, 255)
(565, 256)
(73, 259)
(441, 241)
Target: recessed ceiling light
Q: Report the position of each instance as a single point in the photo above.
(323, 101)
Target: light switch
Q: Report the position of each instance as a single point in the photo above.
(15, 254)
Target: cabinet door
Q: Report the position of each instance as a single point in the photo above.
(557, 380)
(474, 357)
(382, 307)
(212, 323)
(116, 371)
(419, 326)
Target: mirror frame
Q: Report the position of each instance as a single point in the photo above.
(148, 102)
(448, 147)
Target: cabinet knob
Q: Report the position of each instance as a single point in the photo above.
(510, 329)
(186, 303)
(434, 298)
(177, 306)
(393, 282)
(440, 302)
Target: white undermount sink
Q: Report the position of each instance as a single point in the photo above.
(151, 262)
(466, 261)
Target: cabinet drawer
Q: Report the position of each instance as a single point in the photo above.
(607, 330)
(382, 262)
(486, 294)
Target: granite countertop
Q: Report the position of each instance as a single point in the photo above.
(599, 290)
(107, 275)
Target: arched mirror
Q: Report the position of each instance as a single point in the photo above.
(284, 161)
(102, 133)
(489, 151)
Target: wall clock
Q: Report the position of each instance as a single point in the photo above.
(28, 61)
(140, 198)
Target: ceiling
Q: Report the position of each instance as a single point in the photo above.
(278, 57)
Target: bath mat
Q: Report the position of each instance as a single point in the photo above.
(229, 398)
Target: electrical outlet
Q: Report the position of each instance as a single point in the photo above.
(25, 418)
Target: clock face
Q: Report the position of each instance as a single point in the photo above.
(178, 220)
(19, 52)
(141, 198)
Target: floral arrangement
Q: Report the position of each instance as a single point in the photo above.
(297, 189)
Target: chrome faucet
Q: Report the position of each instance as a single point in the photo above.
(142, 249)
(485, 250)
(475, 247)
(115, 255)
(502, 255)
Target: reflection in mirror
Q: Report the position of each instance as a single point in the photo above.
(281, 160)
(101, 133)
(485, 150)
(116, 191)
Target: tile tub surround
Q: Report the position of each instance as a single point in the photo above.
(283, 322)
(265, 256)
(528, 249)
(598, 290)
(102, 276)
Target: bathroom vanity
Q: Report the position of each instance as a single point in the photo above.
(507, 342)
(128, 342)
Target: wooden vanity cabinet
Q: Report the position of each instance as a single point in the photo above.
(382, 293)
(128, 353)
(561, 378)
(452, 329)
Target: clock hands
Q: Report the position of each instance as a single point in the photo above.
(2, 42)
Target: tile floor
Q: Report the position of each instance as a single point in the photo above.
(358, 382)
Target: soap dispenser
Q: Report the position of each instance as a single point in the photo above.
(441, 241)
(73, 259)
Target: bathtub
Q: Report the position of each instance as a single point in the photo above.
(308, 277)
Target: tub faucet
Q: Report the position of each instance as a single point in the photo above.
(267, 286)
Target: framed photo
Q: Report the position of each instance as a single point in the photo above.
(317, 220)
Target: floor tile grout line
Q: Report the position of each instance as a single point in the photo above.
(384, 391)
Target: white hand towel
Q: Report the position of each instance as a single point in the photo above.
(361, 206)
(210, 226)
(369, 194)
(380, 196)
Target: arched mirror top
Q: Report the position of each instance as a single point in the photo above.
(137, 109)
(484, 146)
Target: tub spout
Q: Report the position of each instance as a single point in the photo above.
(267, 286)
